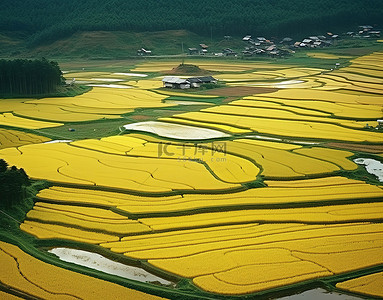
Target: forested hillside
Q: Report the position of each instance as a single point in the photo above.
(29, 77)
(49, 20)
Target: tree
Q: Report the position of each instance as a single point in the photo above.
(12, 185)
(3, 166)
(27, 77)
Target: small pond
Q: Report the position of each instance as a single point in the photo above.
(98, 262)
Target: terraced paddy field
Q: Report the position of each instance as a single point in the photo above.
(257, 190)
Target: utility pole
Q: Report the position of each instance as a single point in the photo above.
(182, 47)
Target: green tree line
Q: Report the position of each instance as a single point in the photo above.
(29, 77)
(12, 185)
(49, 20)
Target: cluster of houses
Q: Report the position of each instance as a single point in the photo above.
(317, 41)
(187, 83)
(287, 46)
(203, 49)
(263, 46)
(365, 31)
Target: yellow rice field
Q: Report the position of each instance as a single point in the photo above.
(144, 174)
(352, 77)
(226, 128)
(310, 107)
(9, 119)
(279, 114)
(221, 261)
(370, 285)
(290, 128)
(94, 223)
(320, 95)
(267, 205)
(35, 278)
(298, 191)
(100, 98)
(13, 138)
(100, 103)
(52, 231)
(321, 55)
(308, 215)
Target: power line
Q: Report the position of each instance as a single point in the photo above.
(10, 216)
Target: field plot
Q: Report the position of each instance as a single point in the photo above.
(84, 224)
(309, 215)
(302, 128)
(298, 113)
(35, 278)
(151, 174)
(297, 192)
(370, 285)
(237, 259)
(100, 103)
(9, 119)
(13, 138)
(321, 55)
(280, 74)
(314, 107)
(99, 99)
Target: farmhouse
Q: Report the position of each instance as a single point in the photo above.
(180, 83)
(207, 79)
(193, 51)
(175, 82)
(195, 82)
(143, 51)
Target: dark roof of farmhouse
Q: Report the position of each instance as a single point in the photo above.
(207, 79)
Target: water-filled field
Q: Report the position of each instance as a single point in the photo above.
(210, 194)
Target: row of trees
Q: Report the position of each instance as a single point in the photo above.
(49, 20)
(12, 185)
(29, 77)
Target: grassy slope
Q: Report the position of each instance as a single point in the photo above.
(122, 45)
(90, 44)
(115, 44)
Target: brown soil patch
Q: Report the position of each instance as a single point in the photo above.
(239, 91)
(356, 147)
(140, 117)
(187, 69)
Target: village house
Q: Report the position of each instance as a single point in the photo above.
(193, 51)
(175, 82)
(143, 52)
(203, 48)
(208, 79)
(194, 82)
(287, 41)
(229, 52)
(181, 83)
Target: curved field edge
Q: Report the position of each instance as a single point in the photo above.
(185, 288)
(53, 281)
